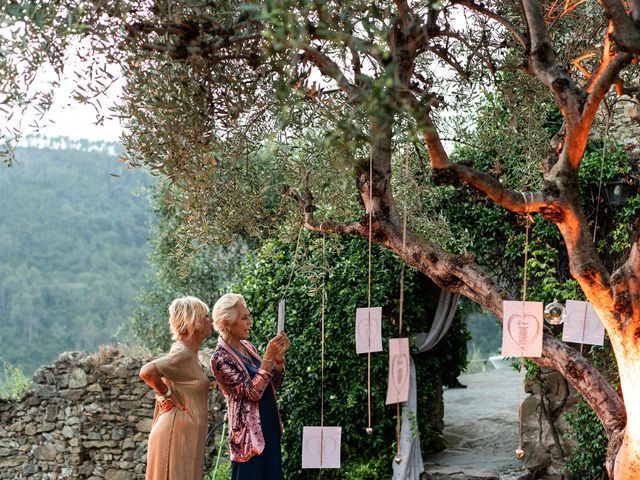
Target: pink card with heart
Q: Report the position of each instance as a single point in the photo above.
(582, 324)
(369, 330)
(522, 329)
(399, 369)
(321, 447)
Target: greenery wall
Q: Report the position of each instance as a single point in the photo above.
(263, 283)
(73, 251)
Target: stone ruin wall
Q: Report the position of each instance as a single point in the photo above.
(87, 417)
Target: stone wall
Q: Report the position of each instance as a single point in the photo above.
(87, 417)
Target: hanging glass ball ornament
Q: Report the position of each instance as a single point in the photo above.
(398, 459)
(520, 453)
(369, 430)
(554, 313)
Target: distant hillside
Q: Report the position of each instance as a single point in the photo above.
(73, 250)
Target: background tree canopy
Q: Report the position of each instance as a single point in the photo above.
(69, 266)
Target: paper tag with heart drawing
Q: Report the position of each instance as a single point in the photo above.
(321, 447)
(582, 324)
(522, 329)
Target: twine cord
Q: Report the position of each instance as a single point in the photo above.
(404, 244)
(369, 296)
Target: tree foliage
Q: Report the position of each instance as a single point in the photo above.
(72, 252)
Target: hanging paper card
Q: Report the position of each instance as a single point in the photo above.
(281, 316)
(321, 447)
(398, 383)
(522, 329)
(582, 324)
(368, 330)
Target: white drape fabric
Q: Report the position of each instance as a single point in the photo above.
(412, 464)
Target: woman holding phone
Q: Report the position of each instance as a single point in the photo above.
(249, 383)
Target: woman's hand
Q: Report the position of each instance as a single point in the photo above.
(169, 404)
(277, 346)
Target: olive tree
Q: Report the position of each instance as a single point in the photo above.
(243, 105)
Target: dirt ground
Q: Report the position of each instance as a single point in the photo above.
(481, 429)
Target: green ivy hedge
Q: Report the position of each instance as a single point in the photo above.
(264, 281)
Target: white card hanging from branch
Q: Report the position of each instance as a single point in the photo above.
(281, 316)
(399, 369)
(582, 324)
(369, 330)
(522, 329)
(321, 447)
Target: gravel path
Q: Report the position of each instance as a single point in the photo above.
(481, 428)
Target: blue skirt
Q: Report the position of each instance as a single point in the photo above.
(267, 465)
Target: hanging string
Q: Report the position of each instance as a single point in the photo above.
(324, 272)
(584, 327)
(595, 223)
(369, 429)
(604, 153)
(404, 244)
(520, 451)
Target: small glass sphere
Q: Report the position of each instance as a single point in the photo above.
(369, 430)
(398, 459)
(520, 453)
(554, 313)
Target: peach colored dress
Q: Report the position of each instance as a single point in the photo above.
(177, 438)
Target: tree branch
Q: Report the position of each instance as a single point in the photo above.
(588, 380)
(331, 69)
(625, 283)
(542, 62)
(625, 33)
(404, 12)
(480, 8)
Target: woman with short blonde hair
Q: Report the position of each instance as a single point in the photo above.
(184, 313)
(177, 440)
(249, 383)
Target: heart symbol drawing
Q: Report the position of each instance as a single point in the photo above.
(364, 331)
(329, 445)
(523, 329)
(399, 371)
(591, 323)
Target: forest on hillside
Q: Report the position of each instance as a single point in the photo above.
(73, 250)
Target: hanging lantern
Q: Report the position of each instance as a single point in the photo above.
(554, 313)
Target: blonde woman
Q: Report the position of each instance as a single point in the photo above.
(249, 384)
(177, 438)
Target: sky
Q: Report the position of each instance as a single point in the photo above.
(68, 118)
(77, 121)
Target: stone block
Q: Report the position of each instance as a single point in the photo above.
(29, 469)
(93, 408)
(72, 395)
(44, 452)
(144, 425)
(46, 427)
(30, 429)
(71, 421)
(51, 413)
(114, 474)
